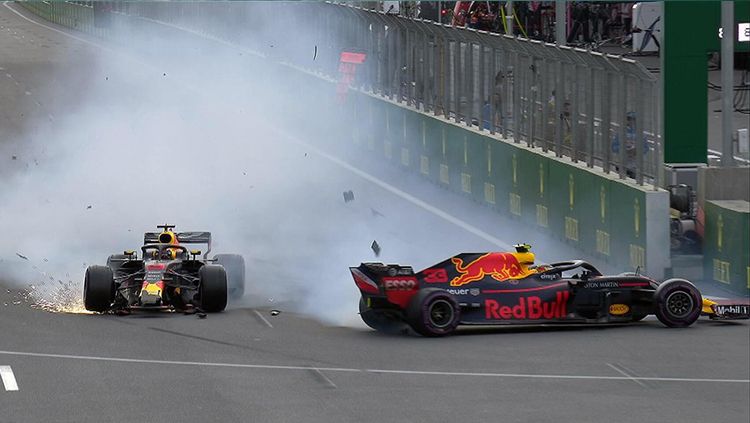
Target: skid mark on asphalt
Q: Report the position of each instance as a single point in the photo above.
(200, 338)
(630, 375)
(256, 347)
(377, 371)
(263, 319)
(323, 379)
(9, 379)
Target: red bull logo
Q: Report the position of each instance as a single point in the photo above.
(499, 266)
(532, 308)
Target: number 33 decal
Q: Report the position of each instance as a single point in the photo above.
(435, 276)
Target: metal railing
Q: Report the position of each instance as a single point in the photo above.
(575, 103)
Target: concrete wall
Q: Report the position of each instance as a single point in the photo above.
(723, 183)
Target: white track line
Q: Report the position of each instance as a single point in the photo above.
(382, 184)
(9, 379)
(260, 316)
(180, 363)
(379, 371)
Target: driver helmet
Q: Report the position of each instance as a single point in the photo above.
(168, 254)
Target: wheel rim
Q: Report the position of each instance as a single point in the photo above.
(441, 313)
(679, 304)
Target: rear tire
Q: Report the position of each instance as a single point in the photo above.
(433, 312)
(213, 288)
(678, 303)
(98, 289)
(380, 321)
(234, 265)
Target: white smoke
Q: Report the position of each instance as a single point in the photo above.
(160, 133)
(170, 130)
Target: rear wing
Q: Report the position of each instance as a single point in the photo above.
(183, 238)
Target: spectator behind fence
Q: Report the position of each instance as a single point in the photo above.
(630, 153)
(551, 132)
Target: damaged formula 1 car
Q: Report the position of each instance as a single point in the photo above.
(507, 288)
(166, 276)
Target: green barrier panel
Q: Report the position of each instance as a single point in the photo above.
(409, 141)
(431, 151)
(541, 190)
(455, 159)
(474, 158)
(361, 114)
(585, 201)
(726, 244)
(600, 219)
(377, 113)
(628, 217)
(562, 217)
(500, 179)
(483, 178)
(525, 178)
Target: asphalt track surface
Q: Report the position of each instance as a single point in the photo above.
(248, 365)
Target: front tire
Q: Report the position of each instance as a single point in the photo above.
(234, 264)
(678, 303)
(433, 312)
(213, 288)
(98, 289)
(380, 321)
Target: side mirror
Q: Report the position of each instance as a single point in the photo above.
(195, 253)
(129, 253)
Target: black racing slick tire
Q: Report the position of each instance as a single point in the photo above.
(678, 303)
(213, 288)
(433, 312)
(98, 289)
(234, 264)
(380, 321)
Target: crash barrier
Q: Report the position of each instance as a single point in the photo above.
(726, 242)
(620, 223)
(617, 221)
(726, 248)
(77, 15)
(599, 109)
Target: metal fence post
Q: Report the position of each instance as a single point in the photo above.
(590, 118)
(623, 100)
(639, 129)
(492, 73)
(456, 79)
(559, 95)
(516, 99)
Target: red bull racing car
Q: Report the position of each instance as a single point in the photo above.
(507, 288)
(166, 276)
